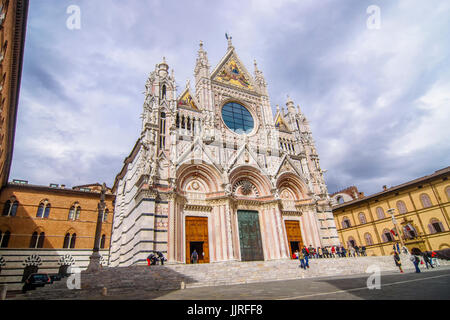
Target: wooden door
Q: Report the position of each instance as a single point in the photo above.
(197, 238)
(294, 235)
(250, 236)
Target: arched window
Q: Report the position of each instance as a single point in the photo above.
(43, 210)
(380, 213)
(10, 208)
(73, 240)
(362, 218)
(340, 200)
(368, 239)
(6, 208)
(77, 213)
(162, 131)
(346, 223)
(163, 91)
(40, 243)
(14, 207)
(435, 226)
(387, 236)
(4, 239)
(102, 242)
(401, 207)
(66, 243)
(69, 241)
(34, 240)
(71, 213)
(426, 201)
(409, 231)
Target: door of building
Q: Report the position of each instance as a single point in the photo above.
(294, 235)
(197, 238)
(250, 236)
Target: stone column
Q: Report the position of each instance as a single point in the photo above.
(94, 259)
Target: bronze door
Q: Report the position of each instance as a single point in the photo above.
(294, 235)
(250, 236)
(197, 238)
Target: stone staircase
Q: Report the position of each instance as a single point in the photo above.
(126, 280)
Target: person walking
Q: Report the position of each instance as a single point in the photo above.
(415, 260)
(397, 260)
(194, 256)
(427, 260)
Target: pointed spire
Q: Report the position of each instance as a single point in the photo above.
(202, 64)
(290, 105)
(259, 78)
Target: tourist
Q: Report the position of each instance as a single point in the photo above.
(360, 251)
(194, 256)
(333, 252)
(338, 251)
(427, 259)
(306, 255)
(393, 248)
(434, 259)
(344, 252)
(310, 251)
(397, 260)
(325, 252)
(363, 248)
(398, 247)
(356, 250)
(301, 257)
(315, 253)
(352, 251)
(415, 260)
(319, 252)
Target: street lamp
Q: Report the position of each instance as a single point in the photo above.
(391, 211)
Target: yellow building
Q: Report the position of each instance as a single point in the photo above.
(421, 212)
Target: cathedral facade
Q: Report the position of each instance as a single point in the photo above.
(215, 171)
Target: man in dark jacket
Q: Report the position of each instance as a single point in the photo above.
(427, 260)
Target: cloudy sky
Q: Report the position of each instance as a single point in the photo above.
(378, 100)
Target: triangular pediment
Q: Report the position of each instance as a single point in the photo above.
(232, 71)
(286, 165)
(187, 100)
(245, 156)
(197, 152)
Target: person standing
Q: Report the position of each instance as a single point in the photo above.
(344, 252)
(398, 262)
(363, 248)
(301, 257)
(306, 256)
(356, 250)
(194, 256)
(333, 252)
(338, 251)
(319, 252)
(310, 251)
